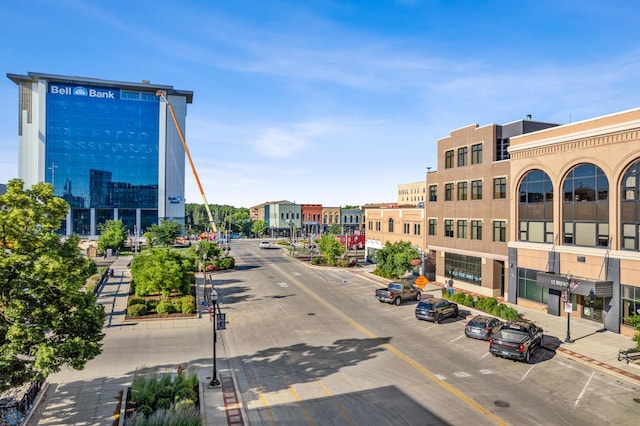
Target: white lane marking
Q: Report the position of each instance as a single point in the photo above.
(584, 389)
(441, 377)
(486, 354)
(461, 374)
(457, 338)
(283, 284)
(485, 371)
(296, 274)
(528, 371)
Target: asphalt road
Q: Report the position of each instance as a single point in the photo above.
(311, 345)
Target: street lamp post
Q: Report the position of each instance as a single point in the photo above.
(214, 301)
(568, 338)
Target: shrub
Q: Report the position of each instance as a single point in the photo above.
(169, 400)
(165, 307)
(136, 301)
(457, 297)
(225, 263)
(511, 314)
(634, 320)
(92, 282)
(487, 303)
(318, 260)
(211, 268)
(186, 304)
(152, 304)
(469, 300)
(137, 310)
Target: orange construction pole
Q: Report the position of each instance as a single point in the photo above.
(186, 150)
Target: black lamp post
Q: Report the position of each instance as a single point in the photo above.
(214, 300)
(568, 338)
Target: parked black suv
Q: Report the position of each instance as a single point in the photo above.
(516, 340)
(435, 309)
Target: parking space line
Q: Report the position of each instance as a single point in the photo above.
(584, 389)
(528, 371)
(460, 395)
(457, 338)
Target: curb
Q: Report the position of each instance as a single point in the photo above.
(567, 353)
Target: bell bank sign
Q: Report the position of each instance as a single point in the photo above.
(89, 92)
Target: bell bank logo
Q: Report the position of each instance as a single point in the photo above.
(90, 92)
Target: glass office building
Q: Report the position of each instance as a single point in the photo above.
(109, 148)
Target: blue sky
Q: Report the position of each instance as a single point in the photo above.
(327, 101)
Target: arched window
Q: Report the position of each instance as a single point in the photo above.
(535, 208)
(585, 207)
(630, 207)
(390, 225)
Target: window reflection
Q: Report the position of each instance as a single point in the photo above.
(102, 153)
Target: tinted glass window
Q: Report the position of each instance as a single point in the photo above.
(102, 150)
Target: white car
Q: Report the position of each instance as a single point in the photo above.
(264, 244)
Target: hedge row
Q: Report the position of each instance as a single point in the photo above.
(487, 304)
(138, 306)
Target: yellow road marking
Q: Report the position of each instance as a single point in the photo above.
(263, 398)
(338, 407)
(304, 409)
(449, 388)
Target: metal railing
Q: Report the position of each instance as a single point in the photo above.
(14, 414)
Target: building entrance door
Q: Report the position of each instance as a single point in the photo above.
(592, 308)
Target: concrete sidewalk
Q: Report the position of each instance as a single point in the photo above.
(591, 345)
(96, 395)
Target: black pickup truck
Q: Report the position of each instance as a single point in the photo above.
(516, 340)
(397, 292)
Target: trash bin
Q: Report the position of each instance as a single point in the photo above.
(111, 272)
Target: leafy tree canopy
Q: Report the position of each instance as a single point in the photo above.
(160, 270)
(46, 320)
(113, 235)
(394, 259)
(330, 248)
(259, 227)
(164, 234)
(335, 229)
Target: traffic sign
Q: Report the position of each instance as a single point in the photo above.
(221, 322)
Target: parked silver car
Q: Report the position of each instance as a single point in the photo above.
(482, 327)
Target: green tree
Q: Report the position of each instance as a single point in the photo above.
(46, 320)
(259, 227)
(164, 234)
(635, 321)
(394, 260)
(330, 248)
(113, 235)
(161, 270)
(335, 229)
(208, 251)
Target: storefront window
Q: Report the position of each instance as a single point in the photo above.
(463, 268)
(630, 302)
(528, 287)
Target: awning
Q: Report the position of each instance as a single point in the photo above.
(581, 286)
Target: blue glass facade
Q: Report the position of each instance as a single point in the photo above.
(102, 150)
